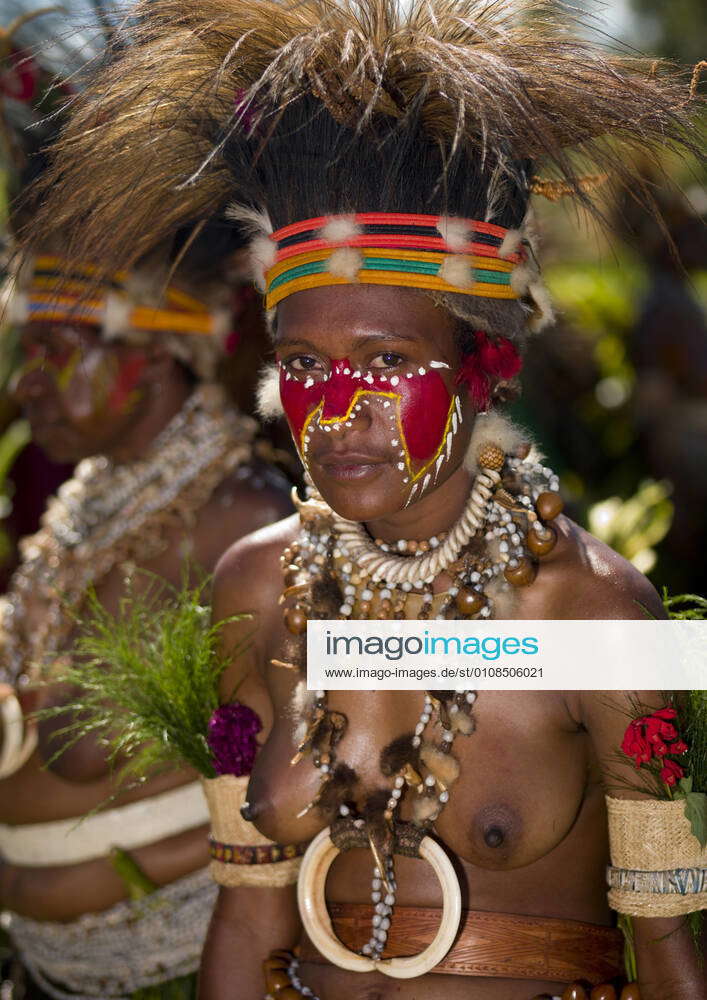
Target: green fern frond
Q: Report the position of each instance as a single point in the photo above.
(146, 680)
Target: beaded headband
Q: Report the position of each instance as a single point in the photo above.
(63, 291)
(431, 252)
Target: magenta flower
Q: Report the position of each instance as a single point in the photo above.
(231, 738)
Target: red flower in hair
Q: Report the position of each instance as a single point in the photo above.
(490, 361)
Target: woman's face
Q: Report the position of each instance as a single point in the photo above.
(367, 382)
(78, 393)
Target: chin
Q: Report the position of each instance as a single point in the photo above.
(366, 499)
(58, 447)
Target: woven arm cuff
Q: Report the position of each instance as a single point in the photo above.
(240, 854)
(659, 868)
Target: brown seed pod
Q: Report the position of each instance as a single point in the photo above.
(575, 991)
(542, 541)
(469, 602)
(296, 620)
(520, 575)
(549, 505)
(603, 992)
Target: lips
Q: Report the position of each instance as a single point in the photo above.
(350, 464)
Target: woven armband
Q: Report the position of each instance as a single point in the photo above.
(658, 868)
(239, 854)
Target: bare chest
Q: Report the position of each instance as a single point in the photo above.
(522, 775)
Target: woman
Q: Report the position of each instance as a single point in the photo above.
(117, 377)
(394, 158)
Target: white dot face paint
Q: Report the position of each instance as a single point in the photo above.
(422, 414)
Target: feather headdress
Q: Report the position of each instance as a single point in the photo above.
(193, 317)
(301, 109)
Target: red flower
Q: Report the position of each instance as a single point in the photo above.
(652, 736)
(665, 713)
(671, 772)
(490, 361)
(657, 730)
(635, 745)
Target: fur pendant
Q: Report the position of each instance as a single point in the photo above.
(492, 428)
(462, 723)
(442, 766)
(424, 809)
(337, 789)
(301, 710)
(397, 754)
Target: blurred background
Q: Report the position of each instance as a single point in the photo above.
(615, 393)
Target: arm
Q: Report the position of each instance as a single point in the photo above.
(246, 925)
(248, 921)
(667, 958)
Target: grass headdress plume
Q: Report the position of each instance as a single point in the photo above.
(314, 107)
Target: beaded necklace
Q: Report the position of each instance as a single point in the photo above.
(335, 570)
(107, 514)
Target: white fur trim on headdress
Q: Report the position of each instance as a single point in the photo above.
(491, 428)
(544, 313)
(14, 309)
(345, 262)
(456, 270)
(511, 242)
(454, 231)
(116, 316)
(268, 394)
(222, 325)
(256, 224)
(339, 228)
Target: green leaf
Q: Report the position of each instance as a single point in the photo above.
(696, 813)
(686, 785)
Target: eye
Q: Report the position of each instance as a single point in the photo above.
(388, 359)
(304, 363)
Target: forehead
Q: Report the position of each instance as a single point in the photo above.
(338, 319)
(61, 335)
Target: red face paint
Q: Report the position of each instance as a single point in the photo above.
(422, 411)
(123, 395)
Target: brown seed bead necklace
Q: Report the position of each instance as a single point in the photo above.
(509, 504)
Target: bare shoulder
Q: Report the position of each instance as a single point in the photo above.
(583, 578)
(248, 576)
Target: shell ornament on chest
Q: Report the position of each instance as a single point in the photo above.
(335, 570)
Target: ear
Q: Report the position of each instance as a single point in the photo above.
(159, 361)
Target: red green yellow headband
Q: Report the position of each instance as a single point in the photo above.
(431, 252)
(62, 291)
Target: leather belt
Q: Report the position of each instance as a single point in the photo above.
(498, 945)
